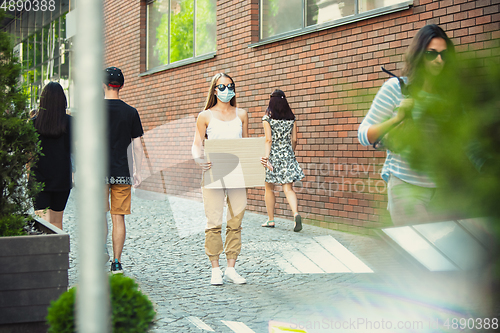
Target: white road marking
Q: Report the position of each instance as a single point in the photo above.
(200, 324)
(420, 249)
(237, 326)
(324, 259)
(301, 262)
(342, 254)
(189, 216)
(280, 327)
(286, 266)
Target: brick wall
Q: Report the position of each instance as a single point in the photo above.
(330, 78)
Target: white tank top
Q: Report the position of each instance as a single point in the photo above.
(219, 129)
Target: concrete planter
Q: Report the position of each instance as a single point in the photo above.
(33, 272)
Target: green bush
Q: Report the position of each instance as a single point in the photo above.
(461, 151)
(132, 311)
(61, 317)
(19, 144)
(458, 141)
(12, 225)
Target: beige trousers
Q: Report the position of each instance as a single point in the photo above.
(213, 201)
(409, 204)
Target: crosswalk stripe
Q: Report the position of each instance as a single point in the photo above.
(188, 222)
(324, 259)
(200, 324)
(286, 266)
(281, 327)
(301, 262)
(237, 326)
(420, 249)
(344, 255)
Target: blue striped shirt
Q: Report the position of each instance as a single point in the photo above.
(385, 106)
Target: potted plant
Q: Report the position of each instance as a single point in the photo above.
(33, 268)
(131, 310)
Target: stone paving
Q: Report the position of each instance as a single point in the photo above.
(164, 253)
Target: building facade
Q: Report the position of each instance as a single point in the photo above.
(324, 54)
(42, 43)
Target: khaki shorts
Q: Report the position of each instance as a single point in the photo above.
(121, 196)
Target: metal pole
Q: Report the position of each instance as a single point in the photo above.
(92, 307)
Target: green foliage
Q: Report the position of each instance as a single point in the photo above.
(161, 46)
(458, 144)
(181, 32)
(19, 144)
(457, 141)
(281, 16)
(61, 314)
(12, 225)
(180, 29)
(206, 26)
(132, 311)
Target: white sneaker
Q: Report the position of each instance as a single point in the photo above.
(216, 277)
(231, 276)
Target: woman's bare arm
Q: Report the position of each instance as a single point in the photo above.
(199, 137)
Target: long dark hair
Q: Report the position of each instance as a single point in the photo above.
(414, 67)
(51, 120)
(278, 107)
(211, 98)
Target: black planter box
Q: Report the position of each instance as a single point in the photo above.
(33, 272)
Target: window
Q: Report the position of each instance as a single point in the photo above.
(44, 57)
(283, 16)
(179, 30)
(42, 49)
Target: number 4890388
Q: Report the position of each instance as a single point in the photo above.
(471, 323)
(28, 5)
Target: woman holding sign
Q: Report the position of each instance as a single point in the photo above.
(282, 167)
(221, 119)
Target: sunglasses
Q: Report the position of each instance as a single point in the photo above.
(432, 54)
(222, 87)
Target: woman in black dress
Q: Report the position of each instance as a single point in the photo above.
(53, 169)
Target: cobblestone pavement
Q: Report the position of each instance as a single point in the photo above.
(164, 253)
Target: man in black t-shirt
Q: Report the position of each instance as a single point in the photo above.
(124, 130)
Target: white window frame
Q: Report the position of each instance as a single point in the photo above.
(178, 63)
(330, 24)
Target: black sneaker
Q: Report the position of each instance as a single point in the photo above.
(116, 267)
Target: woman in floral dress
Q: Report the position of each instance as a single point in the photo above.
(279, 160)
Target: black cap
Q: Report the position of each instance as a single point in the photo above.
(113, 77)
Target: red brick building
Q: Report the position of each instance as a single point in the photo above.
(329, 67)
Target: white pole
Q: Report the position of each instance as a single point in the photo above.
(92, 307)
